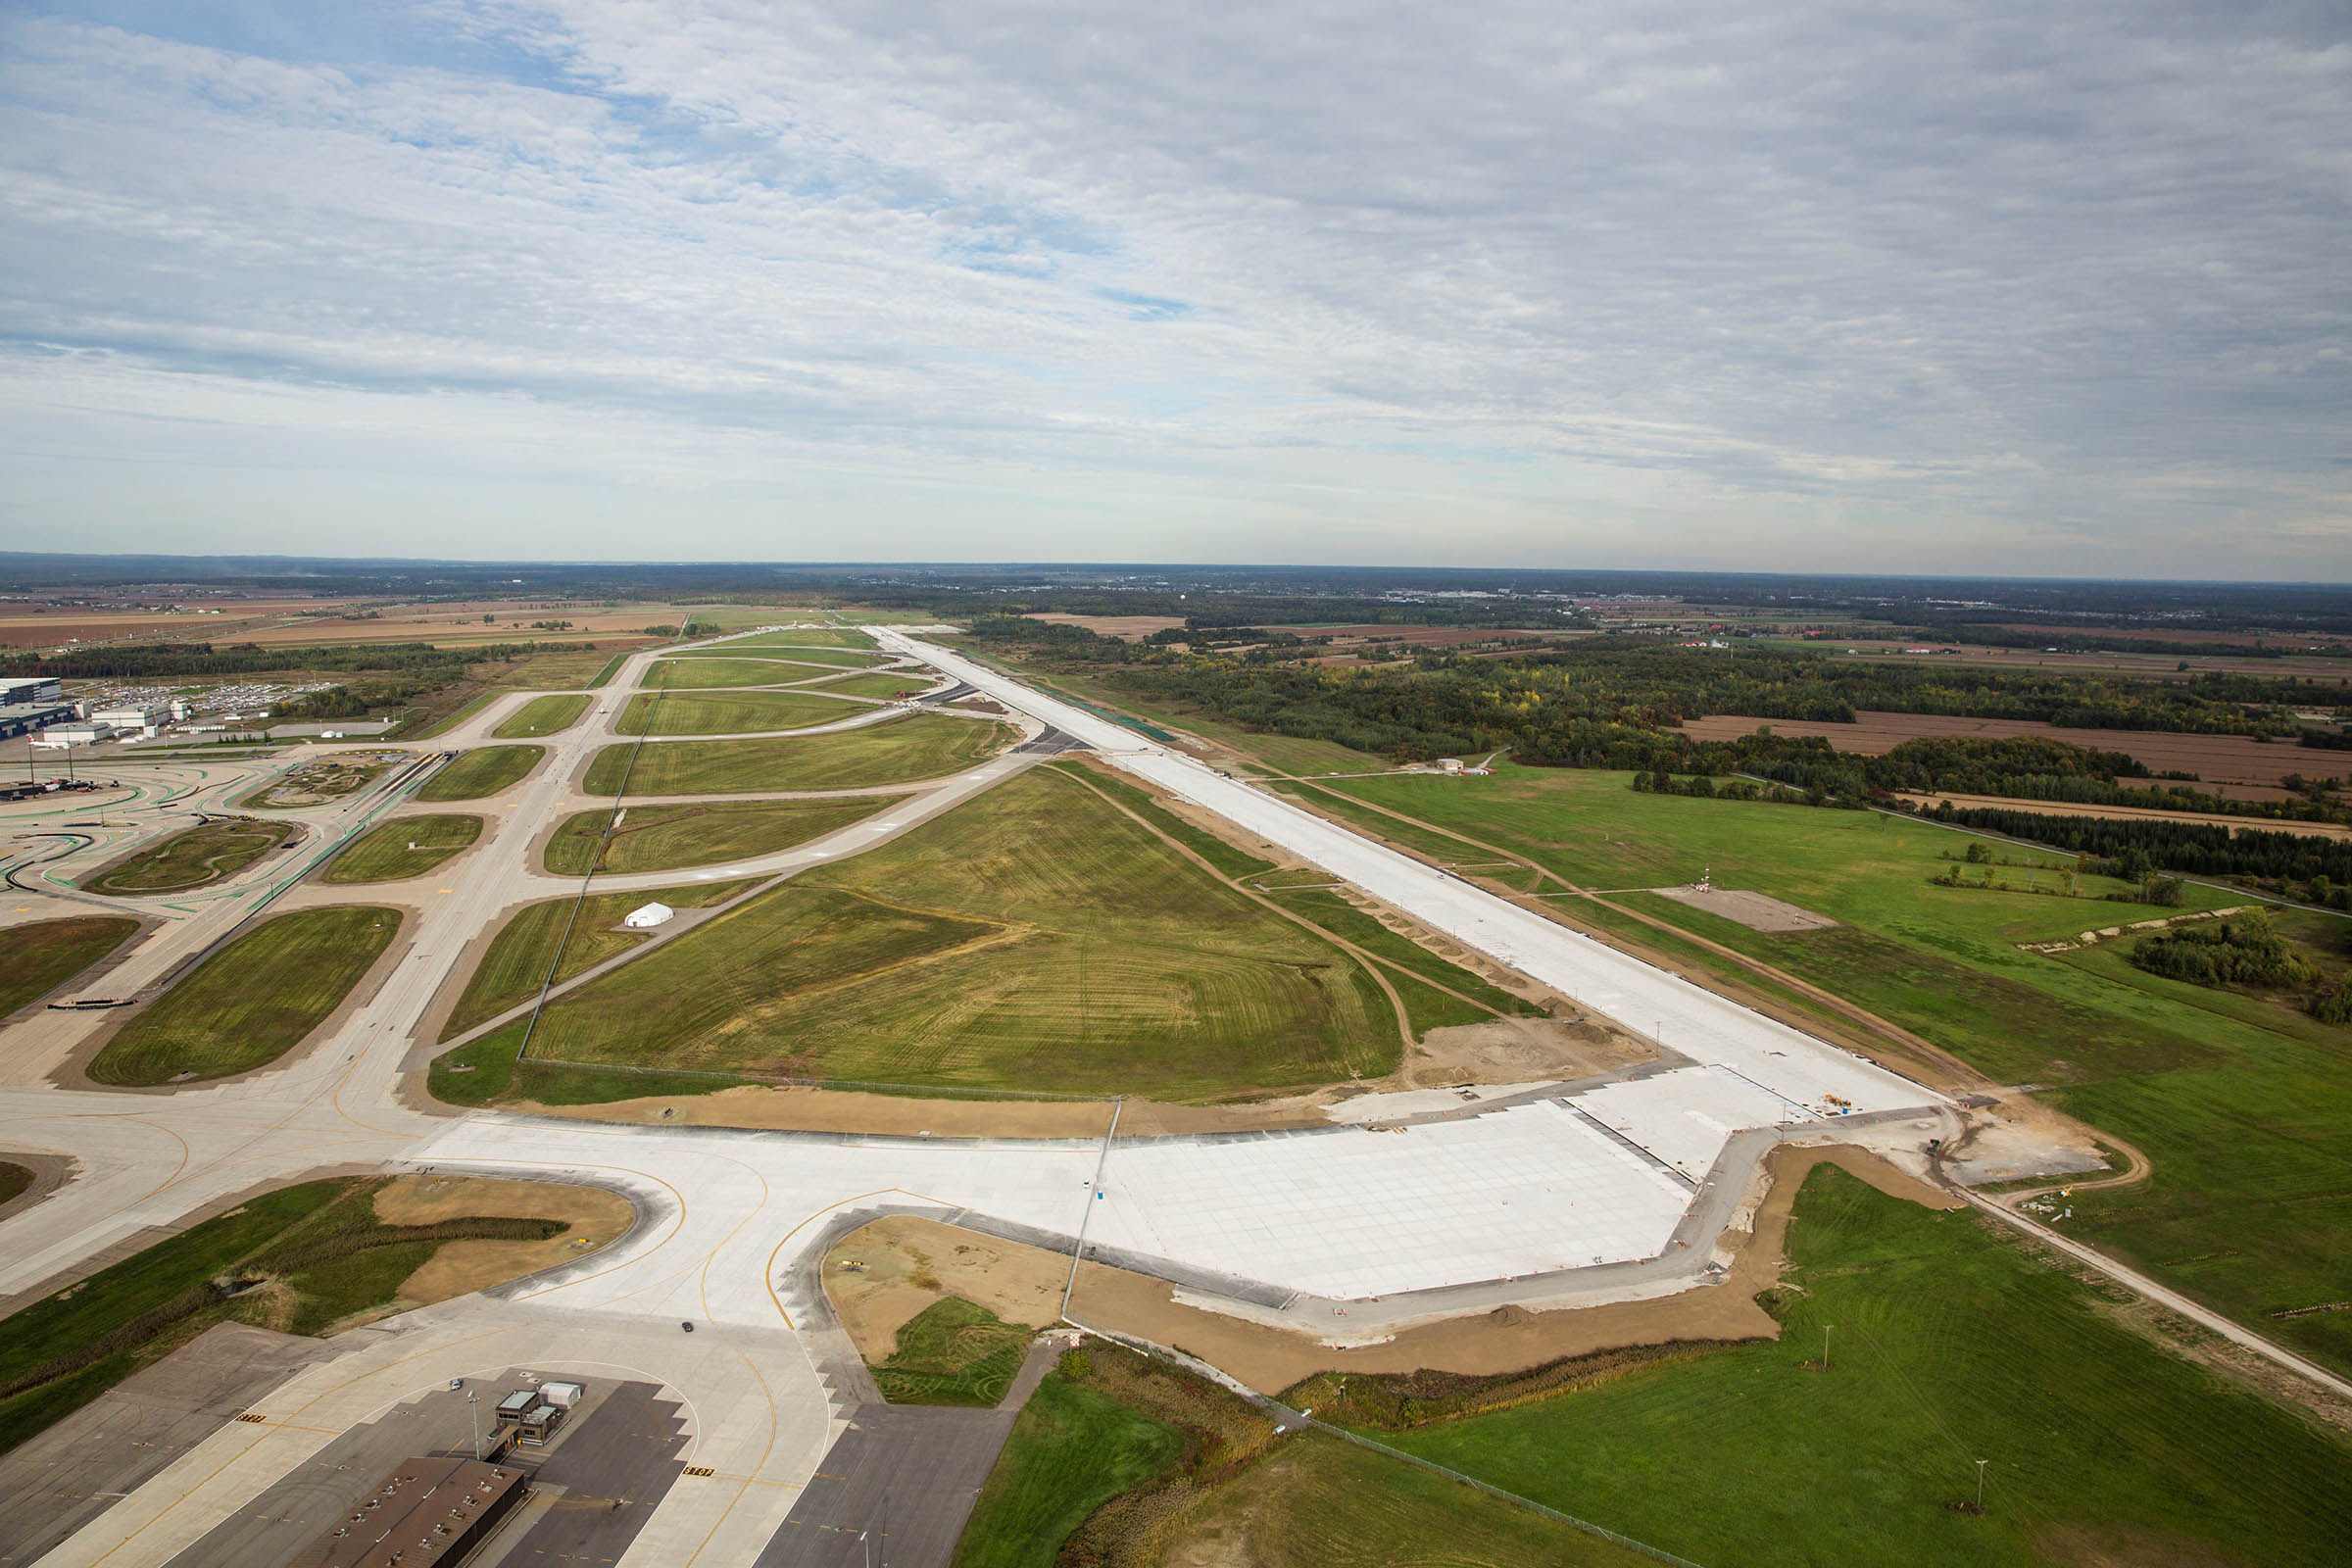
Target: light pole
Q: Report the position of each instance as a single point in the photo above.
(475, 1410)
(1981, 1464)
(868, 1547)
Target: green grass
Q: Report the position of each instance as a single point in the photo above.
(1060, 947)
(731, 713)
(383, 853)
(543, 716)
(581, 669)
(1072, 1450)
(2244, 1105)
(38, 957)
(882, 684)
(604, 673)
(803, 639)
(1229, 861)
(484, 770)
(1430, 1009)
(897, 751)
(486, 1072)
(516, 960)
(320, 1240)
(683, 671)
(251, 1000)
(663, 838)
(952, 1353)
(1280, 753)
(1950, 1344)
(208, 852)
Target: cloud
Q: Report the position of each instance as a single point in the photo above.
(1907, 287)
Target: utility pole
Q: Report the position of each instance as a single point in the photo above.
(1981, 1464)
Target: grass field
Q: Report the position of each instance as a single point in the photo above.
(1072, 1450)
(251, 1000)
(543, 716)
(559, 672)
(1429, 1007)
(2244, 1106)
(800, 640)
(38, 957)
(402, 848)
(1950, 1344)
(517, 961)
(663, 838)
(685, 672)
(952, 1353)
(881, 683)
(731, 713)
(1033, 938)
(208, 852)
(315, 1254)
(484, 770)
(897, 751)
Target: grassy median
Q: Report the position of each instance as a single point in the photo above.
(666, 837)
(210, 852)
(543, 716)
(731, 713)
(38, 957)
(896, 750)
(1032, 939)
(484, 770)
(403, 847)
(251, 1001)
(682, 672)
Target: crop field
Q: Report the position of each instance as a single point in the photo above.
(663, 838)
(210, 852)
(543, 716)
(328, 1256)
(38, 957)
(896, 750)
(517, 961)
(402, 847)
(251, 1001)
(1033, 938)
(731, 713)
(2246, 1115)
(1950, 1343)
(2234, 758)
(484, 770)
(682, 672)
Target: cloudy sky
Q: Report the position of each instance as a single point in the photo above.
(1983, 286)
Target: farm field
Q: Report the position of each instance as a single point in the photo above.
(683, 673)
(543, 716)
(329, 1255)
(730, 712)
(38, 957)
(484, 770)
(210, 852)
(1033, 938)
(896, 750)
(1950, 1344)
(518, 958)
(2218, 759)
(662, 837)
(402, 847)
(2247, 1119)
(253, 1001)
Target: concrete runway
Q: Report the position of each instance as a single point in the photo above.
(1534, 1201)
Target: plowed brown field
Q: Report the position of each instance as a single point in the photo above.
(2215, 759)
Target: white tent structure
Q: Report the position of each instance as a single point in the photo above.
(647, 917)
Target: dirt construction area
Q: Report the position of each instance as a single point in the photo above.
(880, 1276)
(1758, 912)
(595, 1217)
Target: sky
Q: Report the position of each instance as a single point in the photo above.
(1929, 287)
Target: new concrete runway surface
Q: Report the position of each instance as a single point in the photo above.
(1581, 1193)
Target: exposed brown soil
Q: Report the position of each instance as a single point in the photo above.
(806, 1109)
(2079, 1548)
(2321, 830)
(2232, 758)
(1515, 1051)
(1509, 1339)
(880, 1276)
(595, 1217)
